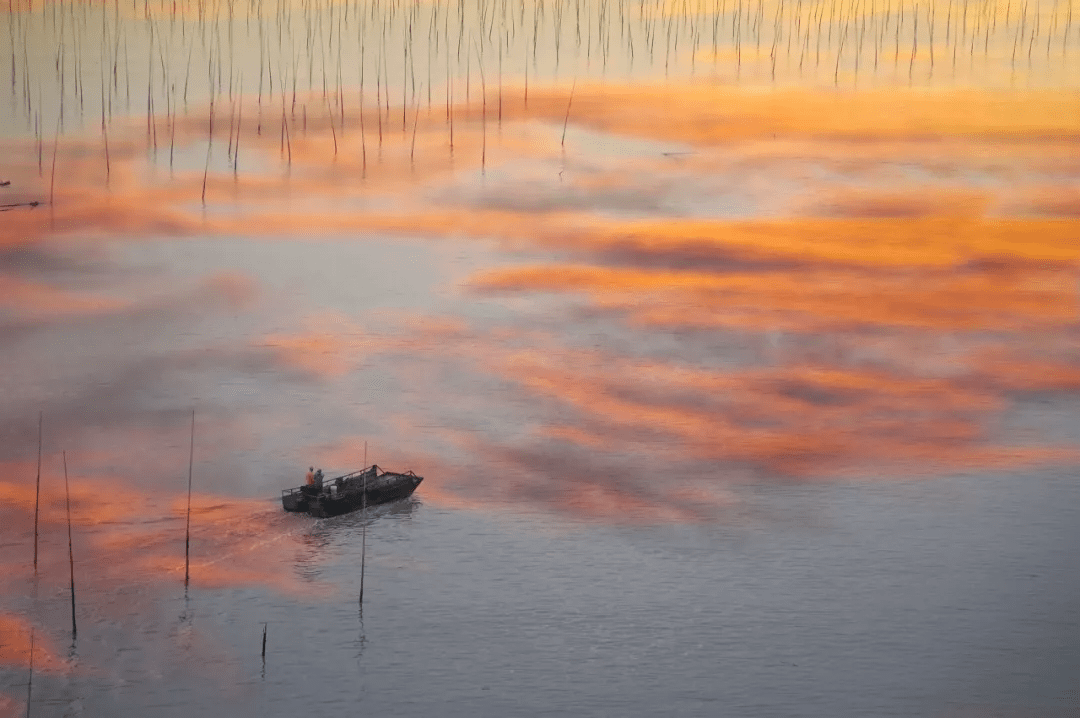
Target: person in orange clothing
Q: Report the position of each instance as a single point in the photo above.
(311, 476)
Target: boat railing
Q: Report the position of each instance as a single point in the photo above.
(372, 471)
(339, 483)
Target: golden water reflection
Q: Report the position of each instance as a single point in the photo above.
(690, 288)
(701, 285)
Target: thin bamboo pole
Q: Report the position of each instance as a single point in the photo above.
(566, 120)
(187, 534)
(30, 682)
(71, 553)
(37, 494)
(363, 534)
(363, 530)
(52, 178)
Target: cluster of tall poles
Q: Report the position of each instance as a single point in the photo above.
(37, 512)
(388, 57)
(71, 549)
(187, 541)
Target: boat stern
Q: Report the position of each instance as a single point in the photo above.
(294, 500)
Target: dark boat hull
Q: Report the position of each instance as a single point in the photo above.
(296, 502)
(388, 487)
(351, 492)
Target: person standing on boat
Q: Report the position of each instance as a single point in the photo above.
(318, 480)
(311, 476)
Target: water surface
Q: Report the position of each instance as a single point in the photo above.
(742, 385)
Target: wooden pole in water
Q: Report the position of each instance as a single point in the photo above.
(187, 534)
(30, 682)
(52, 179)
(363, 530)
(566, 120)
(37, 495)
(412, 148)
(71, 553)
(264, 643)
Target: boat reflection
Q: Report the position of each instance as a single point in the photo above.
(348, 526)
(327, 540)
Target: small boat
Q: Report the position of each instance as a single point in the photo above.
(349, 492)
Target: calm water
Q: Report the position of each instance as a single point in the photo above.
(737, 343)
(950, 597)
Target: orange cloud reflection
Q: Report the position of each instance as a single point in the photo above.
(234, 542)
(15, 646)
(919, 294)
(943, 274)
(791, 420)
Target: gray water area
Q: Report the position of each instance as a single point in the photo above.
(914, 598)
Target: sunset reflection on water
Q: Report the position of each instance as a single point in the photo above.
(850, 330)
(732, 287)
